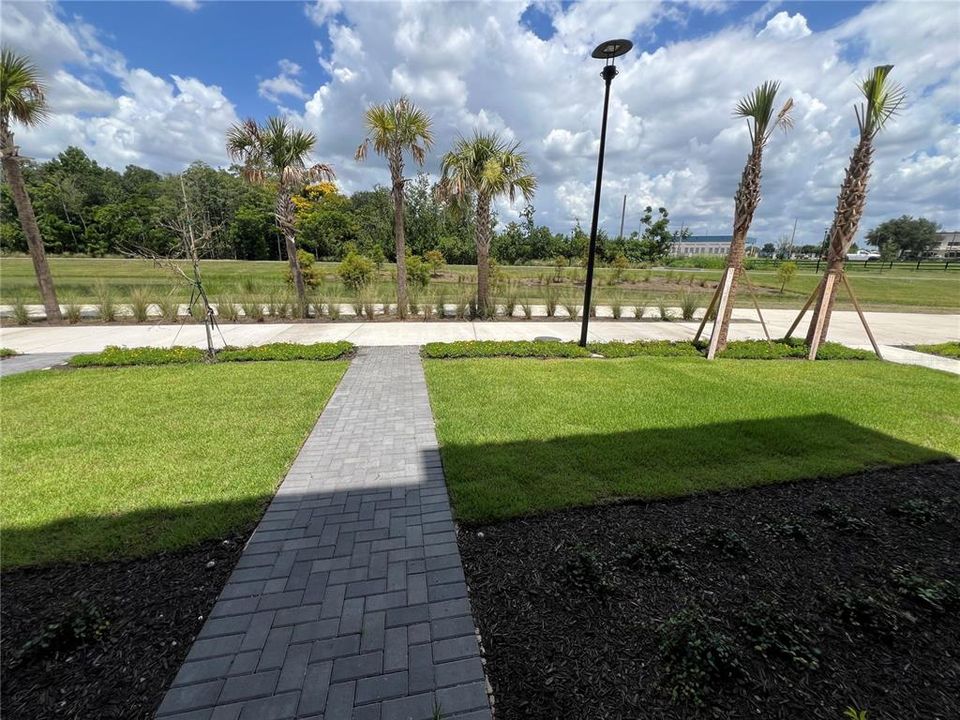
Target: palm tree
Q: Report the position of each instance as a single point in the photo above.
(22, 98)
(483, 168)
(759, 110)
(882, 100)
(394, 128)
(277, 152)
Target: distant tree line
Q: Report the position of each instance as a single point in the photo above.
(83, 208)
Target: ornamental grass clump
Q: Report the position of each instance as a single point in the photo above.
(140, 304)
(105, 302)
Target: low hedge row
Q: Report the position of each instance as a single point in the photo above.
(736, 350)
(947, 349)
(123, 356)
(504, 348)
(7, 352)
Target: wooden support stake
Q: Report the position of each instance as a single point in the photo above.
(721, 310)
(846, 284)
(706, 315)
(806, 306)
(753, 296)
(828, 281)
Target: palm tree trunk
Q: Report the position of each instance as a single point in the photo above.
(483, 233)
(28, 221)
(745, 205)
(285, 214)
(396, 174)
(846, 220)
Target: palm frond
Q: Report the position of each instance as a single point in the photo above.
(883, 101)
(758, 109)
(22, 92)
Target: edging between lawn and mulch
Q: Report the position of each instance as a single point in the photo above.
(115, 356)
(782, 349)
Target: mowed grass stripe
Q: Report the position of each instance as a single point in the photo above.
(526, 436)
(105, 463)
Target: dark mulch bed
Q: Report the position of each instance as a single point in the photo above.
(104, 640)
(792, 601)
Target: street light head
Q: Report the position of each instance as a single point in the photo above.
(612, 49)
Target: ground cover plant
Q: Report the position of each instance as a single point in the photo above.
(947, 349)
(524, 436)
(7, 353)
(114, 356)
(747, 603)
(503, 348)
(120, 462)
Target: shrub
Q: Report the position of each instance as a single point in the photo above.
(21, 315)
(120, 356)
(790, 348)
(355, 270)
(311, 274)
(418, 272)
(104, 295)
(559, 263)
(665, 312)
(286, 351)
(774, 632)
(504, 348)
(440, 304)
(7, 352)
(785, 272)
(655, 348)
(616, 305)
(947, 349)
(435, 261)
(510, 299)
(620, 265)
(698, 659)
(638, 310)
(526, 306)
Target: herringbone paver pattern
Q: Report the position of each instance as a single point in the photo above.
(350, 599)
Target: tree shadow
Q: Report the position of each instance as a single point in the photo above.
(488, 482)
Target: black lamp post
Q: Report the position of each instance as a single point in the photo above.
(606, 51)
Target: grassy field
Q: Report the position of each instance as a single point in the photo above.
(76, 279)
(103, 463)
(526, 436)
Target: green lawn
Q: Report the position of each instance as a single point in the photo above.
(239, 281)
(103, 463)
(524, 436)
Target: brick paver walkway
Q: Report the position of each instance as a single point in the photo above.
(350, 599)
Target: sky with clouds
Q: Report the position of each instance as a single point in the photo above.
(158, 84)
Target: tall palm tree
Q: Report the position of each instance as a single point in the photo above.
(22, 98)
(759, 110)
(882, 100)
(278, 152)
(394, 128)
(483, 168)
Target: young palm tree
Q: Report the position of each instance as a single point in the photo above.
(483, 168)
(882, 100)
(22, 99)
(392, 129)
(759, 110)
(277, 152)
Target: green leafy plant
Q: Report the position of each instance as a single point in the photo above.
(584, 570)
(658, 348)
(356, 271)
(82, 625)
(526, 306)
(727, 543)
(665, 312)
(638, 310)
(503, 348)
(852, 713)
(917, 511)
(550, 300)
(287, 351)
(940, 595)
(697, 658)
(120, 356)
(73, 311)
(689, 304)
(616, 305)
(653, 555)
(435, 261)
(21, 316)
(7, 352)
(776, 632)
(571, 305)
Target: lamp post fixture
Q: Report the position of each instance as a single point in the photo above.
(606, 51)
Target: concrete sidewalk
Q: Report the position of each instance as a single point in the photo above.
(889, 329)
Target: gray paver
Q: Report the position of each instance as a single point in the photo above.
(349, 600)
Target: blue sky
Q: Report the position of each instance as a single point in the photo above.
(159, 83)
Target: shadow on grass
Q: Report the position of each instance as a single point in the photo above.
(125, 535)
(490, 482)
